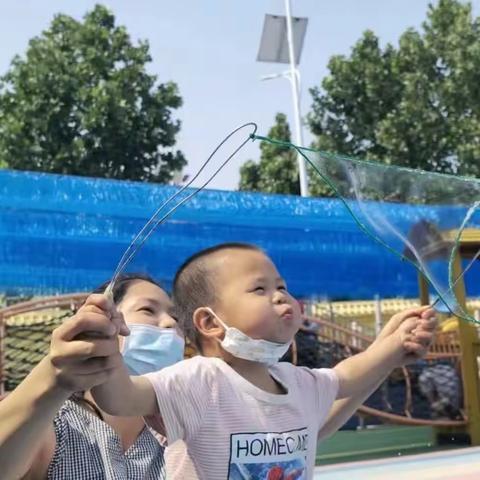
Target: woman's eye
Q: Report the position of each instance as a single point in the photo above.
(147, 310)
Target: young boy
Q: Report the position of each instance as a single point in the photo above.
(234, 412)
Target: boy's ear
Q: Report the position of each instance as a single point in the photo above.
(205, 323)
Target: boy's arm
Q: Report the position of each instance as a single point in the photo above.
(126, 396)
(343, 409)
(362, 373)
(119, 394)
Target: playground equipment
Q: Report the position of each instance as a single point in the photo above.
(446, 346)
(469, 244)
(35, 320)
(363, 312)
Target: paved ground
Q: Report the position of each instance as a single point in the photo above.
(459, 464)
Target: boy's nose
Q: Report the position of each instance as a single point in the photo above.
(279, 297)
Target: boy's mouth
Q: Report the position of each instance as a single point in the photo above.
(287, 313)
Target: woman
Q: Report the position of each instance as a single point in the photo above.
(50, 425)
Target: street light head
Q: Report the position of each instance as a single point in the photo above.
(273, 76)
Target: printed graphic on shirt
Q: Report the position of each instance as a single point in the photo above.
(269, 456)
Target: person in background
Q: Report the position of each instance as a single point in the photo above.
(441, 385)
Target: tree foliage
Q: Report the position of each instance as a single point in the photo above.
(82, 102)
(277, 170)
(417, 105)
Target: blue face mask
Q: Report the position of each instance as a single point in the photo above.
(148, 348)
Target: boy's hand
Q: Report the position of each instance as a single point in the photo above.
(415, 330)
(405, 338)
(84, 350)
(423, 335)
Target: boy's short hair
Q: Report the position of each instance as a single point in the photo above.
(193, 286)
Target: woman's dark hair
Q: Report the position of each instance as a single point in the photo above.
(122, 284)
(119, 291)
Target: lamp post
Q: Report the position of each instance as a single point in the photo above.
(282, 42)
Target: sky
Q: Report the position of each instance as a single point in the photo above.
(209, 48)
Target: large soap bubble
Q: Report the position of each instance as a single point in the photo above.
(441, 208)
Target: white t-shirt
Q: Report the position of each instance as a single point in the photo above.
(220, 426)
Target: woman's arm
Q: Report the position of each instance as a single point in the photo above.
(26, 419)
(74, 363)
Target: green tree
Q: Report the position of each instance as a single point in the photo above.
(81, 102)
(417, 105)
(277, 170)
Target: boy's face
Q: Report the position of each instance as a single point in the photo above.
(253, 297)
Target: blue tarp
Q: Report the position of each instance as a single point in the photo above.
(64, 234)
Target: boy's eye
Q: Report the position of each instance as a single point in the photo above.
(259, 289)
(283, 288)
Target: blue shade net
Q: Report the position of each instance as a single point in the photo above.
(64, 234)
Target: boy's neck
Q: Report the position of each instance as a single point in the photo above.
(254, 372)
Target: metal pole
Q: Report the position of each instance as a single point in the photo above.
(378, 328)
(302, 171)
(378, 315)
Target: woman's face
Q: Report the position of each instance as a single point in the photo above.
(148, 304)
(155, 342)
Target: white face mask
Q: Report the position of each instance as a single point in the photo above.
(241, 345)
